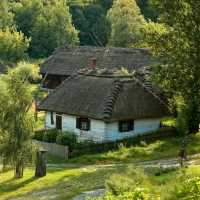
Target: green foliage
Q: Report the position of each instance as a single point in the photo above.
(51, 29)
(50, 135)
(148, 10)
(56, 136)
(175, 41)
(6, 16)
(91, 20)
(13, 45)
(187, 189)
(68, 139)
(26, 13)
(16, 121)
(131, 185)
(126, 23)
(47, 33)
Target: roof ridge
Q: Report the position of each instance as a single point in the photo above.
(150, 91)
(110, 101)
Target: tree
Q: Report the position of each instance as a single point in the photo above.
(176, 42)
(6, 16)
(16, 121)
(126, 23)
(13, 45)
(26, 13)
(147, 9)
(53, 27)
(90, 19)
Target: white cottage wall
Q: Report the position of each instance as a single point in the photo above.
(48, 124)
(101, 131)
(96, 133)
(141, 127)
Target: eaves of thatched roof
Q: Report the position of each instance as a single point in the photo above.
(106, 98)
(67, 60)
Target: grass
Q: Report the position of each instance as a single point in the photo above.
(160, 149)
(62, 183)
(65, 183)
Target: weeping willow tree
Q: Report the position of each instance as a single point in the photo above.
(16, 120)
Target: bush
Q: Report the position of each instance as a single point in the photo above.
(131, 185)
(13, 45)
(66, 138)
(188, 189)
(39, 135)
(50, 135)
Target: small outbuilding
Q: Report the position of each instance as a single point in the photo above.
(104, 105)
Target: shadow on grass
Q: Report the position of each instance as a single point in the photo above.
(68, 185)
(11, 185)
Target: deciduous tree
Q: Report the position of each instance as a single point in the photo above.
(176, 42)
(126, 23)
(52, 28)
(13, 45)
(16, 121)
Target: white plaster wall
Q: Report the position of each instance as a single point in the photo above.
(48, 124)
(96, 133)
(140, 127)
(101, 131)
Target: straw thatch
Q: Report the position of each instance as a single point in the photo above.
(67, 60)
(106, 98)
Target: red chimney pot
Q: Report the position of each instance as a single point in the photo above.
(93, 63)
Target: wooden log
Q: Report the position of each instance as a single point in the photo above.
(40, 169)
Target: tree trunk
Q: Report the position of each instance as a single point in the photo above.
(19, 169)
(193, 116)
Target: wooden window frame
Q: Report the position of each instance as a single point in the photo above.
(80, 120)
(129, 123)
(61, 118)
(52, 118)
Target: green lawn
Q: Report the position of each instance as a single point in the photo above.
(160, 149)
(65, 183)
(62, 182)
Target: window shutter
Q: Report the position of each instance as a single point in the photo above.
(88, 125)
(52, 121)
(131, 125)
(78, 123)
(120, 126)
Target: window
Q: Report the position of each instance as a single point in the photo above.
(52, 121)
(83, 124)
(126, 126)
(58, 122)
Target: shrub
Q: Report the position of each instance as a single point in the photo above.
(13, 45)
(67, 138)
(39, 135)
(132, 185)
(188, 189)
(50, 135)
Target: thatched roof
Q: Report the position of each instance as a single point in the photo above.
(106, 98)
(67, 60)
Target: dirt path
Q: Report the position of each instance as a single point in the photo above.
(162, 163)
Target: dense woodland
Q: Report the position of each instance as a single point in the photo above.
(38, 27)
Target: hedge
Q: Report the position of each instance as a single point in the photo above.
(89, 147)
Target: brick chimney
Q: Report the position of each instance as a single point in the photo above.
(93, 63)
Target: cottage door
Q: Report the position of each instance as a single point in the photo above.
(59, 122)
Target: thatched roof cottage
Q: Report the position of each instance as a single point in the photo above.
(68, 60)
(104, 105)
